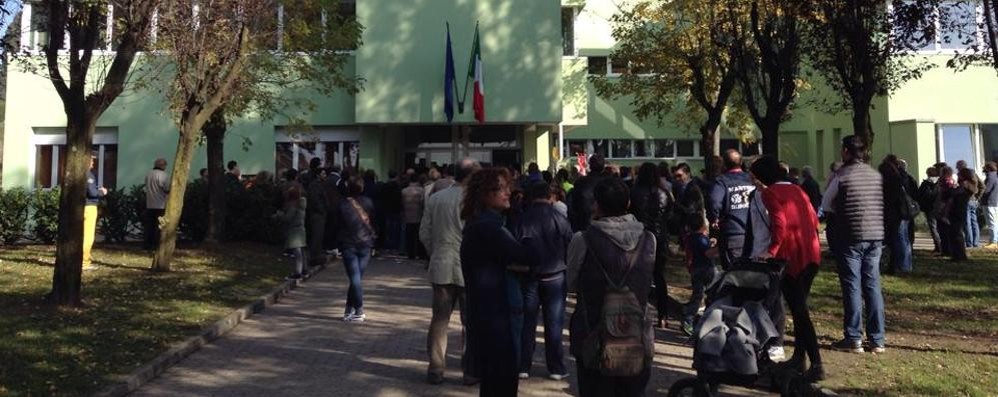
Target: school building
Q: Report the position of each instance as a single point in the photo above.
(537, 56)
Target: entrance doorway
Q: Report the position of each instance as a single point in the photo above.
(492, 145)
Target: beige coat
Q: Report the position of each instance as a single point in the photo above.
(441, 232)
(412, 204)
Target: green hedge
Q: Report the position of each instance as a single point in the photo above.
(35, 215)
(15, 205)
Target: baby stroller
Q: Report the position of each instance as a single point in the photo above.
(732, 337)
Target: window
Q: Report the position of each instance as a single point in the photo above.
(597, 65)
(568, 31)
(621, 149)
(618, 66)
(729, 144)
(50, 155)
(665, 148)
(957, 143)
(39, 32)
(297, 22)
(686, 148)
(642, 149)
(575, 147)
(297, 150)
(958, 25)
(989, 134)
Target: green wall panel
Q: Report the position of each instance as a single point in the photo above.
(403, 54)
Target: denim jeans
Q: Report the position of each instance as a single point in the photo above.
(900, 248)
(550, 293)
(973, 228)
(859, 277)
(933, 231)
(355, 261)
(514, 284)
(701, 278)
(991, 215)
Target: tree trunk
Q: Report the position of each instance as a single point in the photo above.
(862, 125)
(214, 131)
(175, 201)
(710, 143)
(771, 138)
(66, 280)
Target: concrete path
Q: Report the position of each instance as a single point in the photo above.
(301, 347)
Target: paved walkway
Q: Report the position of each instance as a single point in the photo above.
(300, 347)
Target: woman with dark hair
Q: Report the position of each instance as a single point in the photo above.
(487, 250)
(895, 226)
(794, 239)
(947, 185)
(356, 238)
(650, 204)
(966, 189)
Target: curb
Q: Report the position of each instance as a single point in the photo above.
(150, 370)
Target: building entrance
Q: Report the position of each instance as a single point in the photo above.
(435, 145)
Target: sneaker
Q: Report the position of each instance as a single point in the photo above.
(776, 353)
(877, 349)
(558, 377)
(846, 345)
(687, 328)
(434, 379)
(356, 318)
(347, 314)
(524, 375)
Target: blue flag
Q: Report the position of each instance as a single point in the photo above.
(449, 81)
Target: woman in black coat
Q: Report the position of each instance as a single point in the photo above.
(966, 189)
(487, 250)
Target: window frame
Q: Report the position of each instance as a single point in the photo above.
(344, 137)
(56, 136)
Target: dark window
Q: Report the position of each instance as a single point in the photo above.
(642, 148)
(685, 148)
(729, 144)
(601, 147)
(575, 147)
(43, 166)
(621, 148)
(568, 31)
(618, 66)
(665, 148)
(597, 65)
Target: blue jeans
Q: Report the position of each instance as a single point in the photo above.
(973, 228)
(900, 248)
(549, 293)
(991, 215)
(859, 276)
(702, 278)
(355, 261)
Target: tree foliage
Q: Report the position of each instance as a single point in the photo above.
(767, 47)
(980, 36)
(681, 63)
(864, 49)
(231, 55)
(87, 82)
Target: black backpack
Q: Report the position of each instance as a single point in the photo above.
(927, 194)
(909, 207)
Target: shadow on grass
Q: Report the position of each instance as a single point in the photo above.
(130, 314)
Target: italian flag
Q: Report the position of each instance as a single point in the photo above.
(476, 72)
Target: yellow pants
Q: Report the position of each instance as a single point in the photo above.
(89, 228)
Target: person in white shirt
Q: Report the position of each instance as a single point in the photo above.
(157, 189)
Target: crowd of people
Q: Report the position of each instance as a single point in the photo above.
(506, 249)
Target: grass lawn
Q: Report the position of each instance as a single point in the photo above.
(131, 315)
(942, 329)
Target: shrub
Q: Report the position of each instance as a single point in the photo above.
(249, 215)
(45, 204)
(120, 217)
(14, 207)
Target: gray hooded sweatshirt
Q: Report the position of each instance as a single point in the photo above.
(623, 231)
